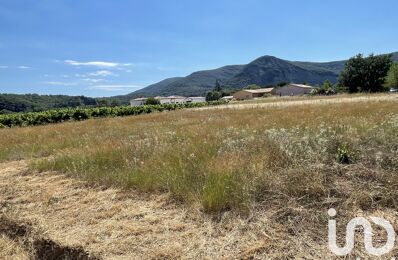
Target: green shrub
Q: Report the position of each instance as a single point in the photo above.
(152, 101)
(78, 114)
(345, 154)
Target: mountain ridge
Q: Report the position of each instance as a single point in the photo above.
(265, 70)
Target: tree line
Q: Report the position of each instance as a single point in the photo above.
(10, 103)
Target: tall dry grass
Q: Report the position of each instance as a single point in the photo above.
(344, 154)
(11, 250)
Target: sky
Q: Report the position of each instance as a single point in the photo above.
(106, 47)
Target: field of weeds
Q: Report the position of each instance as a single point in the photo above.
(343, 155)
(242, 182)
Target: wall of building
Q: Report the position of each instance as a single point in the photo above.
(172, 100)
(136, 103)
(195, 100)
(257, 95)
(166, 100)
(242, 95)
(291, 91)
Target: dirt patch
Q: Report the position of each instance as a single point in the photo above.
(40, 248)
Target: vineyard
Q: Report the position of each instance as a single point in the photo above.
(78, 114)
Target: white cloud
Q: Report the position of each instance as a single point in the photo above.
(55, 76)
(100, 64)
(116, 87)
(93, 80)
(60, 83)
(102, 73)
(8, 67)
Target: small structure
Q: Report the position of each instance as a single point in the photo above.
(137, 102)
(251, 93)
(292, 90)
(227, 98)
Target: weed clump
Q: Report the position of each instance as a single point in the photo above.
(345, 154)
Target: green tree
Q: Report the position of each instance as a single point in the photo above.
(392, 76)
(365, 74)
(102, 103)
(114, 103)
(152, 101)
(327, 85)
(282, 83)
(213, 96)
(252, 86)
(218, 87)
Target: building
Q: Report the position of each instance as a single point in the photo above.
(169, 100)
(137, 102)
(292, 90)
(227, 98)
(251, 93)
(195, 100)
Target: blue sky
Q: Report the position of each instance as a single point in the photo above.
(108, 47)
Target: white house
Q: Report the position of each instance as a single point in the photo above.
(169, 100)
(195, 100)
(137, 102)
(292, 90)
(227, 98)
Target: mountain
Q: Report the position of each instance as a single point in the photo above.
(395, 56)
(149, 91)
(333, 66)
(266, 70)
(32, 102)
(269, 70)
(197, 83)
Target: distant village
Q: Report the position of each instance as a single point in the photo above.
(244, 94)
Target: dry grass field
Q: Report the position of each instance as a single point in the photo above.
(251, 180)
(11, 250)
